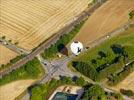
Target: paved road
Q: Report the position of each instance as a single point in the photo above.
(56, 68)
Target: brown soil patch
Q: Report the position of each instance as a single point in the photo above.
(111, 15)
(6, 55)
(12, 90)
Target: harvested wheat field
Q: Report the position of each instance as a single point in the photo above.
(111, 15)
(12, 90)
(6, 55)
(127, 83)
(30, 22)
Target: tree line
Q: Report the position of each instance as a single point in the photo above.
(31, 69)
(117, 77)
(12, 61)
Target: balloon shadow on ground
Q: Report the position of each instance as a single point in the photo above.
(62, 49)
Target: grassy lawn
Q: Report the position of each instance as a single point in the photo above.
(31, 70)
(92, 57)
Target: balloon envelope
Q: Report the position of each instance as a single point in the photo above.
(76, 47)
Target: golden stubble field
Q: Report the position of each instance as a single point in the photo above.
(12, 90)
(30, 22)
(111, 15)
(6, 55)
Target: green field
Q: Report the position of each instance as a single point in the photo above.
(107, 58)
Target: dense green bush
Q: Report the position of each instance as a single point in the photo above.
(86, 69)
(32, 69)
(80, 81)
(131, 14)
(94, 92)
(127, 92)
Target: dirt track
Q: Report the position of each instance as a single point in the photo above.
(113, 14)
(6, 55)
(12, 90)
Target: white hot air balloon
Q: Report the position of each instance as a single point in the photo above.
(76, 47)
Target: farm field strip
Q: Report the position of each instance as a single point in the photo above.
(12, 90)
(30, 22)
(110, 16)
(6, 55)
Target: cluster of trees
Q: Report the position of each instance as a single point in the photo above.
(4, 37)
(86, 69)
(127, 92)
(104, 65)
(131, 14)
(117, 96)
(43, 91)
(32, 69)
(116, 78)
(64, 39)
(12, 61)
(96, 92)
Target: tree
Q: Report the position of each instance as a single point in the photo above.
(131, 14)
(86, 69)
(80, 81)
(127, 92)
(102, 54)
(117, 49)
(94, 91)
(16, 43)
(3, 37)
